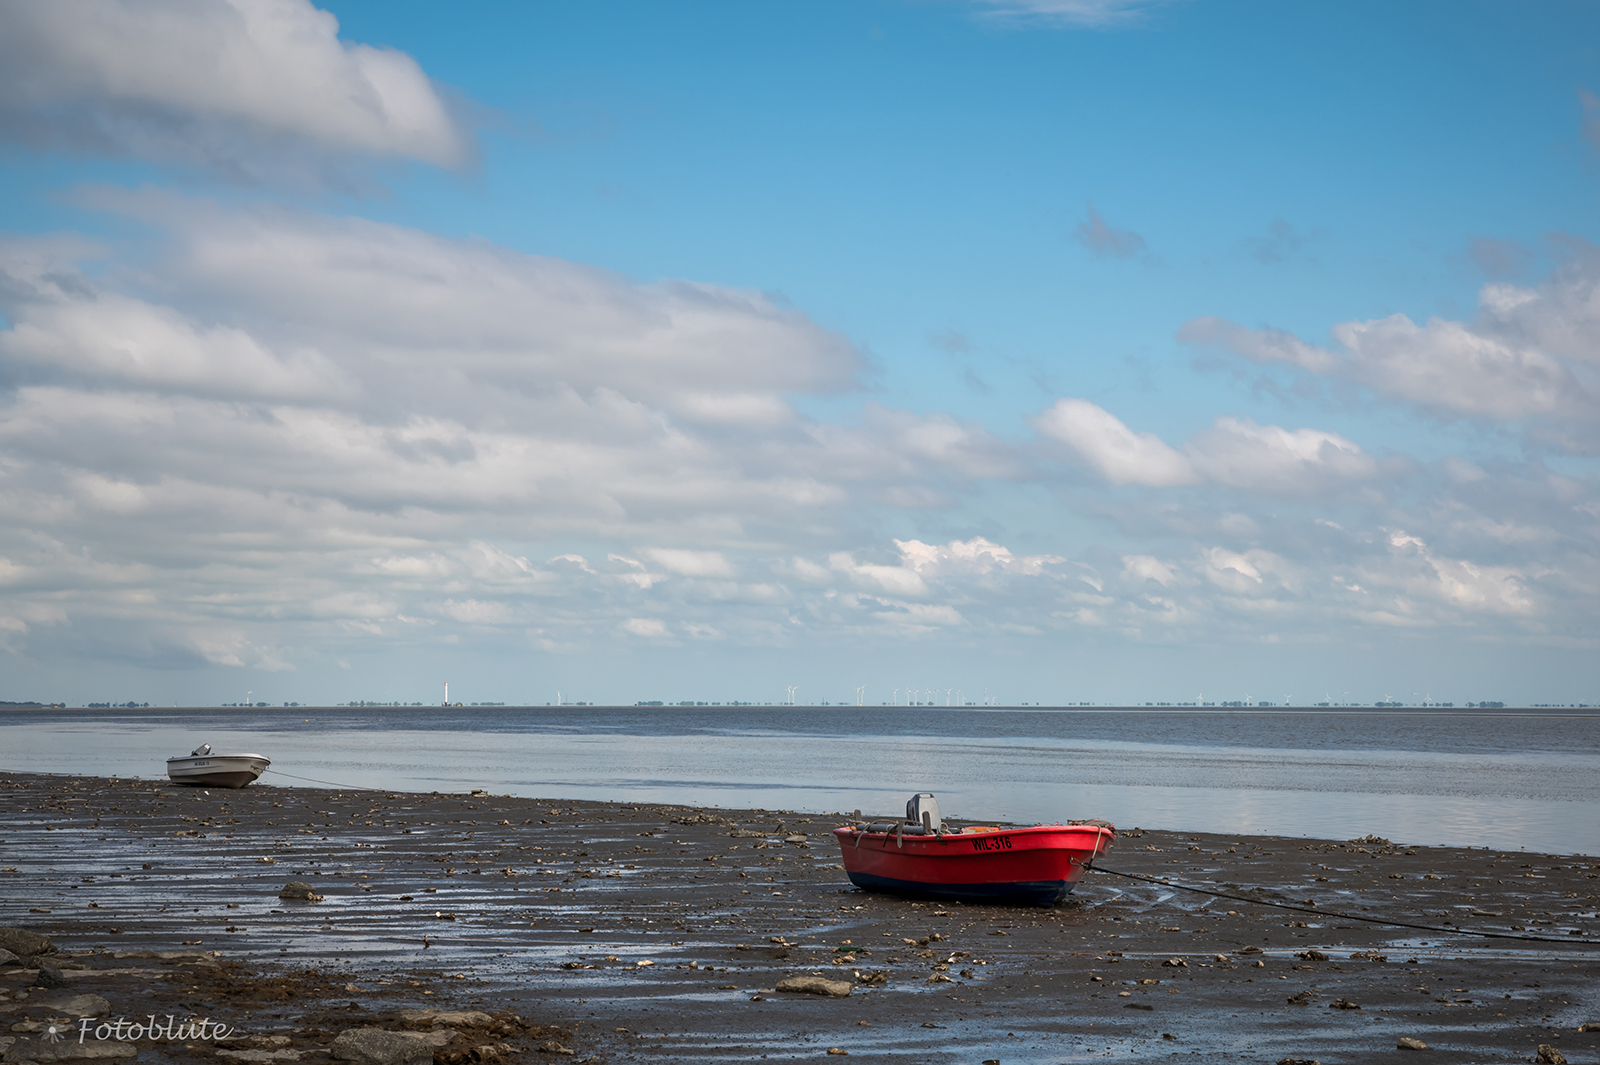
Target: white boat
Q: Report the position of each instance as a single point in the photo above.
(207, 770)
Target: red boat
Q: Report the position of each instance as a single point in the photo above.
(923, 857)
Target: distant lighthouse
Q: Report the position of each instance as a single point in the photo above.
(447, 693)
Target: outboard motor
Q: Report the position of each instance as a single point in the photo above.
(923, 809)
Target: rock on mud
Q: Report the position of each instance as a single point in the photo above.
(815, 985)
(46, 1053)
(49, 977)
(299, 890)
(72, 1005)
(460, 1018)
(23, 943)
(374, 1046)
(1408, 1043)
(1549, 1055)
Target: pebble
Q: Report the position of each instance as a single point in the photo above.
(1407, 1043)
(1549, 1055)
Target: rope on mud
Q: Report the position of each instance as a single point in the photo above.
(314, 780)
(1343, 916)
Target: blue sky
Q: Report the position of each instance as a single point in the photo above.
(1066, 350)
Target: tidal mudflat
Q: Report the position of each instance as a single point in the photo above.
(647, 932)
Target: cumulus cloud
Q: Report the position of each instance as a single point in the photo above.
(1103, 443)
(1234, 452)
(239, 86)
(975, 556)
(267, 419)
(1529, 353)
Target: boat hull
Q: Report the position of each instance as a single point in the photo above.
(1035, 866)
(217, 770)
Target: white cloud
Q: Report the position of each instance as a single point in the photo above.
(1242, 454)
(692, 563)
(1459, 583)
(1147, 568)
(896, 580)
(1522, 357)
(650, 628)
(1234, 452)
(1107, 446)
(235, 85)
(974, 556)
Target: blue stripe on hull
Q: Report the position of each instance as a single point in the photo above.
(1028, 892)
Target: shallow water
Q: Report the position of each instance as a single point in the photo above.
(1502, 779)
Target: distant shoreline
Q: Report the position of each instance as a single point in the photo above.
(1024, 708)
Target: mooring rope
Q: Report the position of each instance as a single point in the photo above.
(1336, 913)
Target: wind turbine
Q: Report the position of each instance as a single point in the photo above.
(947, 692)
(859, 689)
(894, 697)
(248, 697)
(791, 689)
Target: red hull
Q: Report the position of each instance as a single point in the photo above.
(1036, 865)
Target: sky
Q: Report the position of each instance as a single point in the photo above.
(1045, 351)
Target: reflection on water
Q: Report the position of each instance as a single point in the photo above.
(1499, 779)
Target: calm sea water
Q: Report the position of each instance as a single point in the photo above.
(1503, 779)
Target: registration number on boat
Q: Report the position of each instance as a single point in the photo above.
(992, 843)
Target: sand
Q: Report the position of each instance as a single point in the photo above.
(636, 932)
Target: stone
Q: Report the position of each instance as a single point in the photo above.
(1549, 1055)
(1407, 1043)
(553, 1047)
(1312, 955)
(468, 1018)
(815, 985)
(166, 955)
(1298, 1061)
(49, 977)
(8, 958)
(1589, 1026)
(23, 943)
(1248, 950)
(1343, 1004)
(299, 890)
(44, 1051)
(1175, 963)
(375, 1046)
(1303, 998)
(263, 1056)
(72, 1005)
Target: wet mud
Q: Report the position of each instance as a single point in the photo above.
(639, 932)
